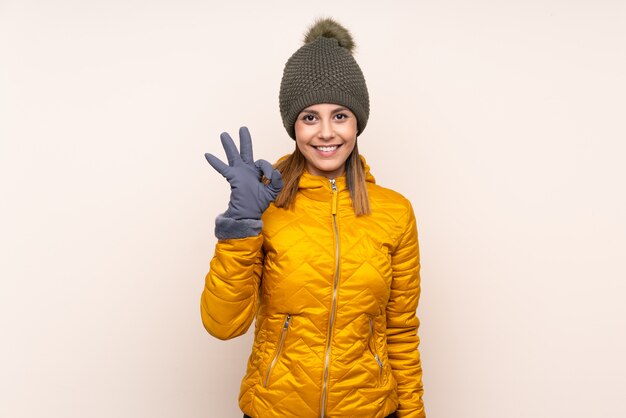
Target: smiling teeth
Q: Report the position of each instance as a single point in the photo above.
(327, 149)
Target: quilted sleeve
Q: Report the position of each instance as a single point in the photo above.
(402, 322)
(229, 298)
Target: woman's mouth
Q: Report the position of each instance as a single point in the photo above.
(326, 150)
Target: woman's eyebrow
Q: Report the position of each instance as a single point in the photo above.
(315, 112)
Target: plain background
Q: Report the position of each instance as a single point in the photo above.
(502, 121)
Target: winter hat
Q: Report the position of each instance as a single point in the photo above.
(323, 70)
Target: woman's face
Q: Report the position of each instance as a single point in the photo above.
(326, 135)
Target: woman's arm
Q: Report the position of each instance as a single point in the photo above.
(402, 322)
(231, 290)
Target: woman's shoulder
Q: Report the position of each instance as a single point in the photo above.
(386, 194)
(384, 200)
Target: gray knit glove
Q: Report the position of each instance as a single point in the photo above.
(249, 196)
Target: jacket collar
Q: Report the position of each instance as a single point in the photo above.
(320, 188)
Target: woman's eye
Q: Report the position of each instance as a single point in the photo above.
(341, 116)
(308, 118)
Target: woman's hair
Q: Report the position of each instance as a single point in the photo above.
(292, 167)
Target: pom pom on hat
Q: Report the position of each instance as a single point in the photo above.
(329, 28)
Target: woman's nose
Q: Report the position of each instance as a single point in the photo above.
(326, 130)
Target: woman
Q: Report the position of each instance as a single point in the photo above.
(324, 259)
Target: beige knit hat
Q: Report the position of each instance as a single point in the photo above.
(323, 70)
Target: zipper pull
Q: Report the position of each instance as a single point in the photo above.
(287, 322)
(333, 185)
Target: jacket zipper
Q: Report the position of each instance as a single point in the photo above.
(373, 342)
(280, 346)
(334, 303)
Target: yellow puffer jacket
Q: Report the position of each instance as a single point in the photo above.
(334, 297)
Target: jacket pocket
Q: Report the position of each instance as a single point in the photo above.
(372, 346)
(281, 342)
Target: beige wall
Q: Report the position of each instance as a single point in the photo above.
(502, 121)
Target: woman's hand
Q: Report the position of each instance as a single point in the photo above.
(249, 195)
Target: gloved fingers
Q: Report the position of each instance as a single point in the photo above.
(230, 148)
(217, 164)
(273, 175)
(245, 145)
(276, 180)
(266, 168)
